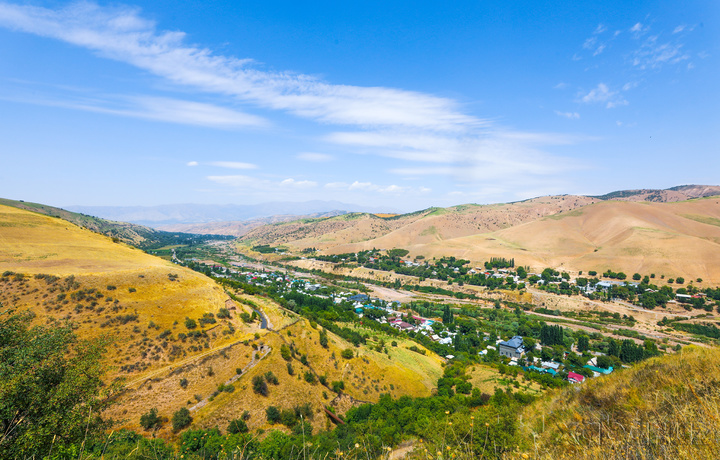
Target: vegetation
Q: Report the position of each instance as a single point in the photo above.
(51, 389)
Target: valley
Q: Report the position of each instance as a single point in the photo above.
(276, 336)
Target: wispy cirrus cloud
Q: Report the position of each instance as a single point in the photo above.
(570, 115)
(233, 164)
(154, 108)
(406, 125)
(120, 33)
(315, 157)
(604, 95)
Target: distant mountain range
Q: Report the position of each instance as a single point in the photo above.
(172, 214)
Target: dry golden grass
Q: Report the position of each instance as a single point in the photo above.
(667, 407)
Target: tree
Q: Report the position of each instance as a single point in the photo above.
(636, 276)
(50, 387)
(583, 343)
(150, 420)
(237, 426)
(323, 339)
(273, 415)
(347, 353)
(181, 419)
(604, 362)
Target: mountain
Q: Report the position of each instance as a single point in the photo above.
(200, 213)
(362, 230)
(679, 193)
(663, 234)
(239, 228)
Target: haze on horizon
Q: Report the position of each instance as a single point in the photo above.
(404, 105)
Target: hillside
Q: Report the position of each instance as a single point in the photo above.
(671, 239)
(365, 231)
(136, 235)
(663, 408)
(666, 237)
(239, 228)
(672, 194)
(178, 336)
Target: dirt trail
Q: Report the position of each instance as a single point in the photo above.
(253, 362)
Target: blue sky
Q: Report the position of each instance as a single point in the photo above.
(403, 105)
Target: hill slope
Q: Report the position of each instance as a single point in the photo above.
(136, 235)
(672, 239)
(364, 231)
(178, 335)
(662, 408)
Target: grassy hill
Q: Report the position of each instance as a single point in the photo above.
(665, 407)
(136, 235)
(179, 340)
(671, 238)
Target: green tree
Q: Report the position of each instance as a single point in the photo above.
(237, 426)
(181, 419)
(272, 414)
(50, 387)
(151, 419)
(583, 343)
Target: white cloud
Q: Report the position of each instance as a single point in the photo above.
(654, 55)
(298, 183)
(192, 163)
(602, 94)
(406, 125)
(233, 165)
(369, 187)
(639, 30)
(315, 157)
(143, 107)
(571, 115)
(121, 34)
(600, 29)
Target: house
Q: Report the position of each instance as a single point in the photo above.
(512, 348)
(599, 370)
(574, 377)
(359, 298)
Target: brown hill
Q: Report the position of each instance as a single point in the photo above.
(671, 239)
(58, 270)
(679, 193)
(352, 232)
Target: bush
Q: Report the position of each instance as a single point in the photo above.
(285, 352)
(273, 415)
(190, 323)
(184, 383)
(259, 385)
(181, 419)
(237, 426)
(347, 353)
(338, 386)
(150, 420)
(309, 377)
(271, 378)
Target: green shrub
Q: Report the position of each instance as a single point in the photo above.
(151, 419)
(181, 419)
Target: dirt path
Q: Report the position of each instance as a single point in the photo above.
(264, 350)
